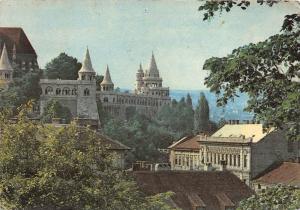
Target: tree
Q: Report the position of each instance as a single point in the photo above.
(202, 115)
(267, 71)
(277, 197)
(189, 101)
(63, 67)
(63, 168)
(54, 109)
(22, 90)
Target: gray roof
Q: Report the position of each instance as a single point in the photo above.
(4, 61)
(107, 79)
(87, 64)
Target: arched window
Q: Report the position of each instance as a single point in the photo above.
(49, 91)
(58, 91)
(74, 91)
(86, 92)
(105, 99)
(66, 91)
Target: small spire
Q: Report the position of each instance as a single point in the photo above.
(87, 63)
(4, 61)
(107, 78)
(14, 54)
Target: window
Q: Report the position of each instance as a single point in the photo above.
(105, 99)
(245, 161)
(239, 161)
(86, 92)
(49, 91)
(230, 160)
(234, 160)
(74, 91)
(66, 91)
(58, 91)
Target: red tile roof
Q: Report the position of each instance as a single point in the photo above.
(287, 173)
(189, 143)
(212, 189)
(16, 36)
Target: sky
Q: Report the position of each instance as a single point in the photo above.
(123, 34)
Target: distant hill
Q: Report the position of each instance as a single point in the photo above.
(233, 110)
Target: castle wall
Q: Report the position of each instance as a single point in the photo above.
(118, 104)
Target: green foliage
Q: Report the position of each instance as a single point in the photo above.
(47, 167)
(202, 122)
(99, 79)
(268, 71)
(211, 7)
(177, 119)
(274, 198)
(21, 90)
(62, 67)
(141, 134)
(54, 109)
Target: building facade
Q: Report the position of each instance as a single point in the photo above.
(78, 95)
(245, 149)
(81, 97)
(148, 98)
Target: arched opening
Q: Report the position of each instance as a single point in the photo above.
(58, 91)
(74, 91)
(49, 91)
(66, 91)
(86, 92)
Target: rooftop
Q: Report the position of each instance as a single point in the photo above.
(287, 173)
(16, 36)
(187, 143)
(241, 131)
(209, 189)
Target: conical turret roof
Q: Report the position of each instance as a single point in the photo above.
(153, 71)
(87, 63)
(107, 79)
(140, 69)
(4, 61)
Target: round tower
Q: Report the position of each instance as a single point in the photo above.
(6, 70)
(107, 84)
(86, 72)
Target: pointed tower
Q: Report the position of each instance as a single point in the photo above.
(139, 79)
(153, 71)
(86, 72)
(107, 84)
(6, 70)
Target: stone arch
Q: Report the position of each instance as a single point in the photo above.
(48, 90)
(66, 91)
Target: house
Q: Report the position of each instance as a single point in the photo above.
(247, 149)
(285, 173)
(195, 190)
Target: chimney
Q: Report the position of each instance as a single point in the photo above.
(207, 167)
(223, 166)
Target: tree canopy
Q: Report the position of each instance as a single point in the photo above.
(62, 67)
(54, 109)
(267, 71)
(48, 167)
(276, 197)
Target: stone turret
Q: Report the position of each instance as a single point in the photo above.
(107, 84)
(139, 79)
(6, 70)
(86, 72)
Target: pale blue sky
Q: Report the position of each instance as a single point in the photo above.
(123, 33)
